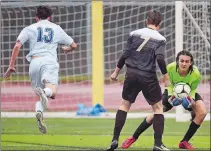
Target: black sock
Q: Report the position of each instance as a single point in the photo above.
(119, 123)
(191, 131)
(142, 127)
(158, 126)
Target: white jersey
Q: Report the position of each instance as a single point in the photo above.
(44, 37)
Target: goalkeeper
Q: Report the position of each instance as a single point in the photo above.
(182, 70)
(44, 37)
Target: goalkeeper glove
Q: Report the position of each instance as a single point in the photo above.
(174, 101)
(186, 102)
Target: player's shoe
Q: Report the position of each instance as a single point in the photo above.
(160, 148)
(186, 145)
(42, 127)
(43, 97)
(128, 142)
(114, 145)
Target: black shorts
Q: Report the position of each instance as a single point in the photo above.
(149, 85)
(167, 105)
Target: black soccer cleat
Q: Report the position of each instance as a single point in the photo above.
(114, 145)
(160, 148)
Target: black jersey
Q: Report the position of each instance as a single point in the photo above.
(142, 48)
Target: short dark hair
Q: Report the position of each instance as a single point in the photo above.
(185, 53)
(154, 17)
(43, 12)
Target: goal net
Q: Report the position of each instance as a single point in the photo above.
(75, 73)
(196, 39)
(119, 19)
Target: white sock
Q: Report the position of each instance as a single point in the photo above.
(38, 106)
(48, 92)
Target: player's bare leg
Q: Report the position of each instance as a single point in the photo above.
(119, 123)
(200, 113)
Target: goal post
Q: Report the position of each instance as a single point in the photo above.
(97, 53)
(195, 34)
(180, 112)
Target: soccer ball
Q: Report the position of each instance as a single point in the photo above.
(181, 90)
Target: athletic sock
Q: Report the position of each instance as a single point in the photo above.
(119, 123)
(158, 126)
(191, 131)
(142, 127)
(48, 92)
(38, 106)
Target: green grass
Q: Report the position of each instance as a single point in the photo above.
(92, 134)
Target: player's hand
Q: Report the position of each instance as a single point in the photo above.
(66, 49)
(187, 102)
(114, 76)
(9, 71)
(174, 101)
(166, 80)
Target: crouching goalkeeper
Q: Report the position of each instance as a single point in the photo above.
(182, 70)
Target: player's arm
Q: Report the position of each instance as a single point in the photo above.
(119, 66)
(195, 84)
(161, 61)
(65, 39)
(15, 53)
(121, 61)
(170, 87)
(22, 38)
(70, 48)
(187, 101)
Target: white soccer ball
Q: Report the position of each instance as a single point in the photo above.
(181, 90)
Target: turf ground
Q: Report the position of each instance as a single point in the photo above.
(90, 134)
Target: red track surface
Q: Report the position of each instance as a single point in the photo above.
(20, 97)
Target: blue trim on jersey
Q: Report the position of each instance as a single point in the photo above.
(40, 33)
(47, 38)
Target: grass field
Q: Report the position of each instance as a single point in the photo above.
(90, 134)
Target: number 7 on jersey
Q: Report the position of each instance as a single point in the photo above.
(146, 39)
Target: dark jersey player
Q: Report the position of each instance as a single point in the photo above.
(143, 49)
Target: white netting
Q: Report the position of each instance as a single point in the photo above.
(120, 18)
(197, 36)
(196, 39)
(75, 20)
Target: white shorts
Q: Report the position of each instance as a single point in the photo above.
(43, 69)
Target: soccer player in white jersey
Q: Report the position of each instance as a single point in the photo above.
(44, 37)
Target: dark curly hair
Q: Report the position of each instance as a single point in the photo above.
(43, 12)
(185, 53)
(154, 17)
